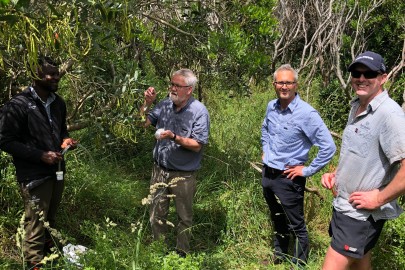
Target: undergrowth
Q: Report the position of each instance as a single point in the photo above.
(102, 210)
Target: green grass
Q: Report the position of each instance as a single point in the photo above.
(105, 185)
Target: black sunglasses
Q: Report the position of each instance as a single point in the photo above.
(369, 74)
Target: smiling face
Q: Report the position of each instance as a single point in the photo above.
(179, 91)
(285, 86)
(367, 88)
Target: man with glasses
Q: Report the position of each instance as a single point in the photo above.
(371, 171)
(290, 128)
(183, 126)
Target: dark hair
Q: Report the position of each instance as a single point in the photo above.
(42, 61)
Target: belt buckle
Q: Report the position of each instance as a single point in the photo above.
(275, 171)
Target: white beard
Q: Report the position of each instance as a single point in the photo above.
(175, 99)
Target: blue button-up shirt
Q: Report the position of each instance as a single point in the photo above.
(289, 134)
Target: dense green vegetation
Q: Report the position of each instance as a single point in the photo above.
(102, 203)
(112, 50)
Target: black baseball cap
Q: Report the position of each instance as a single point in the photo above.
(372, 60)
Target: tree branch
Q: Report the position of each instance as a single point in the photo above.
(65, 67)
(395, 70)
(167, 24)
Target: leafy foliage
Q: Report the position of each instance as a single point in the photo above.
(112, 50)
(333, 106)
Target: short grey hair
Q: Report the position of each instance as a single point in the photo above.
(188, 75)
(287, 67)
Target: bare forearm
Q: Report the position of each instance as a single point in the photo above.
(150, 97)
(143, 111)
(188, 143)
(394, 189)
(144, 108)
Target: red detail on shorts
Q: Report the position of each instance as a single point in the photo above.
(346, 247)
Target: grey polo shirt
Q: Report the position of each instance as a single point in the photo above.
(192, 121)
(373, 143)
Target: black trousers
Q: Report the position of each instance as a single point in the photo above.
(285, 198)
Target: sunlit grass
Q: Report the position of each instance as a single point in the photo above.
(102, 204)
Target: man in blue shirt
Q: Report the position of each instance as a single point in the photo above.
(290, 128)
(183, 126)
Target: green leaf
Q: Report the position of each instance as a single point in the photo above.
(4, 2)
(54, 11)
(22, 4)
(11, 19)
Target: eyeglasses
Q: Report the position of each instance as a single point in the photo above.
(175, 85)
(369, 74)
(286, 83)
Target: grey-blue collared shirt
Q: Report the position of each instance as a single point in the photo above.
(373, 143)
(192, 121)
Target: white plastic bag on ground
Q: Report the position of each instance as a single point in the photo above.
(73, 252)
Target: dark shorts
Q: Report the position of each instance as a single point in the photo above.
(352, 237)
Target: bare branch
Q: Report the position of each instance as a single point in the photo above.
(78, 126)
(317, 29)
(395, 70)
(336, 135)
(167, 24)
(65, 67)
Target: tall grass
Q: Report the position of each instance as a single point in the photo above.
(106, 182)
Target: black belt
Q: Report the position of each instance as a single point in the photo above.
(273, 170)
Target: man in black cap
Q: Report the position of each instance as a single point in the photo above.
(371, 171)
